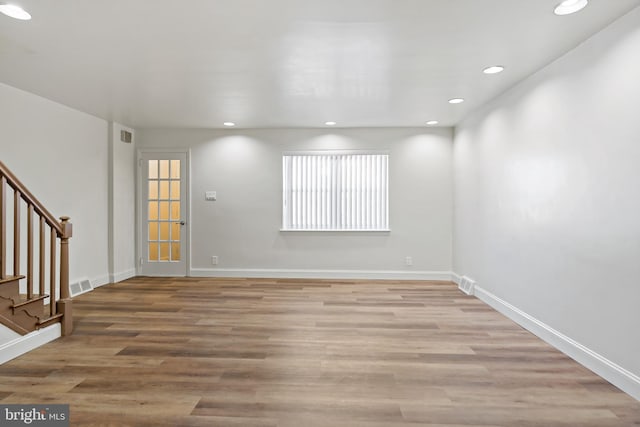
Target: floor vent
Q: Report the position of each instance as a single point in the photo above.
(80, 287)
(467, 285)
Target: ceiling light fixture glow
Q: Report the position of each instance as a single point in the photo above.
(568, 7)
(432, 122)
(495, 69)
(15, 12)
(229, 124)
(456, 101)
(330, 123)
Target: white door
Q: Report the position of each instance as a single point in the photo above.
(163, 225)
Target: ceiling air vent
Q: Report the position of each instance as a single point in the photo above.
(80, 287)
(126, 136)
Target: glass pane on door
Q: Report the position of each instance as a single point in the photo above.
(163, 180)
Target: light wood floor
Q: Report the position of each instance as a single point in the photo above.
(187, 352)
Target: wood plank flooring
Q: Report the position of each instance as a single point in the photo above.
(302, 353)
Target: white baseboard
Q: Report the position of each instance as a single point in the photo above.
(615, 374)
(455, 278)
(100, 281)
(321, 274)
(31, 341)
(123, 275)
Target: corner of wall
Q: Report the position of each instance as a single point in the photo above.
(110, 242)
(121, 203)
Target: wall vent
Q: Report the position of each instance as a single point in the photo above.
(80, 287)
(467, 285)
(126, 136)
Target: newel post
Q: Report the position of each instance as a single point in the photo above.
(65, 302)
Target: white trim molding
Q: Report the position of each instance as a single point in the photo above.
(31, 341)
(455, 278)
(615, 374)
(123, 275)
(100, 281)
(322, 274)
(139, 221)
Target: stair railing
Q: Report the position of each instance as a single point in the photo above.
(62, 230)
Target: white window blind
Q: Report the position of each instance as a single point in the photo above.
(347, 192)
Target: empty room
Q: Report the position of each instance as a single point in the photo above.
(287, 213)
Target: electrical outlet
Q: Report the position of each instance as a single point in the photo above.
(214, 260)
(408, 261)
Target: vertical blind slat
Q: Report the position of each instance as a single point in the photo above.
(334, 192)
(385, 192)
(313, 192)
(299, 178)
(304, 188)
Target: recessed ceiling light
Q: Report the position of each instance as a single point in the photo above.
(15, 12)
(568, 7)
(229, 124)
(456, 101)
(330, 123)
(432, 122)
(495, 69)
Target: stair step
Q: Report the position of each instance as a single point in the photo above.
(49, 321)
(10, 279)
(28, 319)
(28, 313)
(6, 306)
(10, 286)
(9, 323)
(23, 301)
(8, 300)
(20, 314)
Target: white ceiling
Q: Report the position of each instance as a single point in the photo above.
(285, 63)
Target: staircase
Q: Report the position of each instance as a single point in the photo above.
(38, 298)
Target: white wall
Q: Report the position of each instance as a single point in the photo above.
(242, 227)
(122, 204)
(547, 201)
(60, 154)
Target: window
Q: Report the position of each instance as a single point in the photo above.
(335, 191)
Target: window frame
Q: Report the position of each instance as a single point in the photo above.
(284, 207)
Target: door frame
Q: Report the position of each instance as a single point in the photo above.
(140, 222)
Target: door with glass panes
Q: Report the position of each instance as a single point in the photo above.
(163, 191)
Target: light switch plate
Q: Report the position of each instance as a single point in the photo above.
(210, 196)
